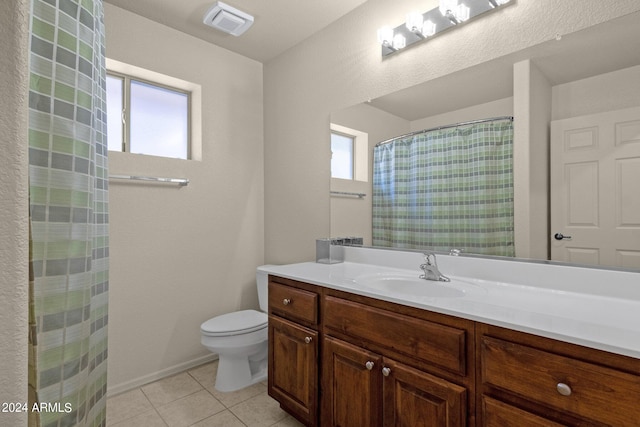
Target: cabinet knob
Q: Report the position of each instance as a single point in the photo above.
(563, 389)
(308, 339)
(386, 371)
(286, 301)
(369, 365)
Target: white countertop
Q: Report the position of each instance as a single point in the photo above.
(592, 319)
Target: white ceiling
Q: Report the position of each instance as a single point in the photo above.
(278, 24)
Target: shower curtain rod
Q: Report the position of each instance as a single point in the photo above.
(180, 181)
(406, 135)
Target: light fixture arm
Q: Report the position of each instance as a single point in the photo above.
(417, 32)
(452, 17)
(388, 45)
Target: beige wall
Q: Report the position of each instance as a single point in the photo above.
(14, 206)
(532, 112)
(341, 66)
(179, 256)
(606, 92)
(499, 108)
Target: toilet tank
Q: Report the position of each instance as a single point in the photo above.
(262, 282)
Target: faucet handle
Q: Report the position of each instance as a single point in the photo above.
(430, 259)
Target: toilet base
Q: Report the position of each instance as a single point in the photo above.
(235, 373)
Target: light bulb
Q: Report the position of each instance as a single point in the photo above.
(462, 12)
(385, 36)
(428, 28)
(414, 21)
(448, 6)
(399, 41)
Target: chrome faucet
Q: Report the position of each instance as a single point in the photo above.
(430, 268)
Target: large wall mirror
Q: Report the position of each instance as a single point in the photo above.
(577, 144)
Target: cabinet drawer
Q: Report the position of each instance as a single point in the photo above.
(499, 414)
(596, 392)
(439, 345)
(293, 303)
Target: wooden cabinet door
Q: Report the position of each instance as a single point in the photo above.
(293, 368)
(415, 398)
(352, 381)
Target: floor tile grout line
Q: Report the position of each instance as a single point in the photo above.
(141, 388)
(224, 408)
(231, 407)
(214, 396)
(152, 407)
(161, 417)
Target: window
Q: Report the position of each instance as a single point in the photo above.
(342, 155)
(148, 113)
(349, 153)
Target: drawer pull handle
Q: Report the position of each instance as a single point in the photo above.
(286, 301)
(386, 371)
(369, 365)
(308, 339)
(563, 389)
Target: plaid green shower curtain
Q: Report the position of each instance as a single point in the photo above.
(68, 193)
(446, 188)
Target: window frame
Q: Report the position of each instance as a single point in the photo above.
(353, 152)
(128, 73)
(360, 151)
(126, 108)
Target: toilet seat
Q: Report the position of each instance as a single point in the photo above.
(235, 323)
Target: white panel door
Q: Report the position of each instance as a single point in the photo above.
(595, 189)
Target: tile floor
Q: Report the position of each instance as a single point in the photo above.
(189, 399)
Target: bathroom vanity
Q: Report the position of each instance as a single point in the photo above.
(345, 352)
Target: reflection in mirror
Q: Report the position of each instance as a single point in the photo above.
(446, 188)
(588, 77)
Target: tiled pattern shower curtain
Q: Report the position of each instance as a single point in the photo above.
(68, 210)
(447, 188)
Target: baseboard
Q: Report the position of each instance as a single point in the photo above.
(112, 390)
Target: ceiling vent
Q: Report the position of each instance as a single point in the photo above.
(225, 18)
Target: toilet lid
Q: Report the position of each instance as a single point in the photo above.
(236, 323)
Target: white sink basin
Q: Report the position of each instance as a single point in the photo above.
(412, 285)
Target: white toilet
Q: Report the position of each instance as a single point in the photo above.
(240, 340)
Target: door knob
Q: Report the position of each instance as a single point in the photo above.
(308, 339)
(369, 365)
(286, 301)
(560, 236)
(386, 371)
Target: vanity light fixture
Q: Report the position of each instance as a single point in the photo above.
(418, 26)
(390, 40)
(497, 3)
(449, 14)
(456, 13)
(414, 23)
(399, 41)
(429, 28)
(447, 7)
